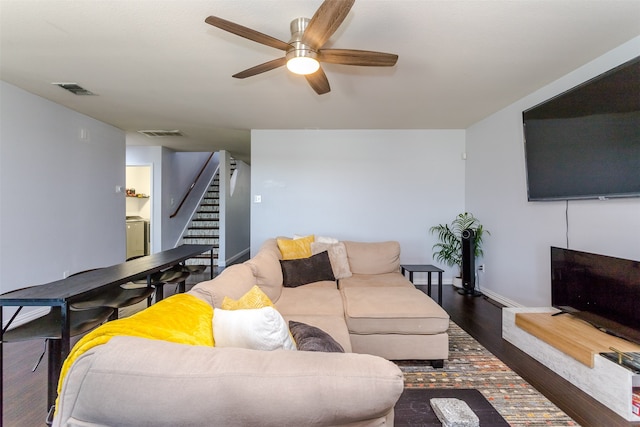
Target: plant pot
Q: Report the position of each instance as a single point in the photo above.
(457, 282)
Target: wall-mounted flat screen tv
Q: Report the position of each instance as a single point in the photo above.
(585, 143)
(602, 290)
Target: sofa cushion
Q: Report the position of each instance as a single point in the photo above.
(337, 256)
(375, 280)
(298, 272)
(233, 282)
(256, 329)
(310, 338)
(310, 300)
(265, 266)
(373, 258)
(395, 310)
(295, 248)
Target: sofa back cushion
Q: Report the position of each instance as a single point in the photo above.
(373, 258)
(225, 386)
(265, 266)
(234, 281)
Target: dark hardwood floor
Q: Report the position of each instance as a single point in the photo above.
(25, 392)
(482, 319)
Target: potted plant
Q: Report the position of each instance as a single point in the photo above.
(448, 250)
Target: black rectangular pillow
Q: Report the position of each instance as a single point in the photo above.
(298, 272)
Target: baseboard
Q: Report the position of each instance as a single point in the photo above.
(26, 317)
(494, 296)
(500, 299)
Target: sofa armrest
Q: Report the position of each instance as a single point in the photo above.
(134, 381)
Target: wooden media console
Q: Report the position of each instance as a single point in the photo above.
(571, 348)
(572, 336)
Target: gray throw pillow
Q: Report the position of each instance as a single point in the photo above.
(298, 272)
(310, 338)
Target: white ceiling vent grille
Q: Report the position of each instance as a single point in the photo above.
(160, 133)
(74, 88)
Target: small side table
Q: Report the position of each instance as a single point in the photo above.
(425, 268)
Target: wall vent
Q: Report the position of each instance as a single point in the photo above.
(74, 88)
(160, 133)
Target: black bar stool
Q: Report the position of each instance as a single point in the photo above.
(114, 297)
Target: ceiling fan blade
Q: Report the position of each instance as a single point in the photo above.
(247, 33)
(325, 22)
(357, 57)
(319, 82)
(262, 68)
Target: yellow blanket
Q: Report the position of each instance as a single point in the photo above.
(181, 318)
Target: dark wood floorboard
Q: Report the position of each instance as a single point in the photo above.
(25, 391)
(482, 319)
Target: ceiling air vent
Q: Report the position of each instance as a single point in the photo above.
(160, 133)
(74, 88)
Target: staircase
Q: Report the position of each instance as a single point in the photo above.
(204, 228)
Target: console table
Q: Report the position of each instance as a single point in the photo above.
(61, 293)
(425, 268)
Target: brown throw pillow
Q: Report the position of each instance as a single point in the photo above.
(310, 338)
(298, 272)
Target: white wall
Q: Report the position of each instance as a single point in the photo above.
(367, 185)
(517, 252)
(59, 210)
(235, 210)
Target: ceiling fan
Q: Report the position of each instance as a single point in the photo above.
(304, 51)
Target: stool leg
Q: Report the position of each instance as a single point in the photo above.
(159, 292)
(53, 369)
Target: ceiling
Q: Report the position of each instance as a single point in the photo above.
(155, 64)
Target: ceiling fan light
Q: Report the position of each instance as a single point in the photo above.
(303, 65)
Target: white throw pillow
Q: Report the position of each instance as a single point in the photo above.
(257, 329)
(337, 256)
(324, 239)
(321, 239)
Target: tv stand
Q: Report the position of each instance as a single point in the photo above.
(571, 348)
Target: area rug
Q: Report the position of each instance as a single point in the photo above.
(471, 366)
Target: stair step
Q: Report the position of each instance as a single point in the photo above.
(209, 209)
(202, 241)
(202, 234)
(204, 224)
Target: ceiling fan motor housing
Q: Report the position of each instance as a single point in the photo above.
(298, 49)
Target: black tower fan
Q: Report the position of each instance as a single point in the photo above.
(469, 263)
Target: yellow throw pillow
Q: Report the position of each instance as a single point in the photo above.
(255, 298)
(296, 248)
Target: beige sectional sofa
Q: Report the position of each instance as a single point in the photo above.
(372, 311)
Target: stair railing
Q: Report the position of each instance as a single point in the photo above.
(193, 184)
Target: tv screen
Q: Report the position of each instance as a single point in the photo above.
(599, 289)
(585, 143)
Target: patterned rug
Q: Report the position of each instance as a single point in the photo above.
(470, 365)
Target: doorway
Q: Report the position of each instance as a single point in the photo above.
(139, 210)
